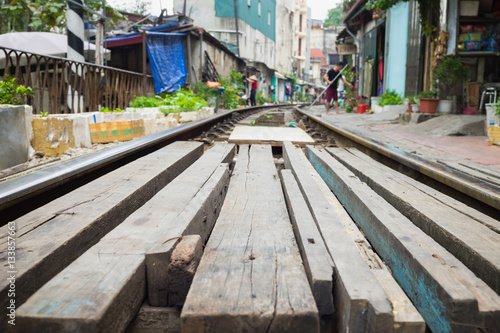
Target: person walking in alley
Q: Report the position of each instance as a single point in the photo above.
(253, 92)
(332, 77)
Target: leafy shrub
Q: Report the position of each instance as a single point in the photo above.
(12, 93)
(185, 99)
(427, 94)
(106, 109)
(168, 110)
(145, 102)
(260, 99)
(390, 97)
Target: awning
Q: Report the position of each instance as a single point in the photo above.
(280, 76)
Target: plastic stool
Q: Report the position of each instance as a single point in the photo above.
(362, 108)
(491, 94)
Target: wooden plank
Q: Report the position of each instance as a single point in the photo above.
(475, 171)
(447, 294)
(361, 304)
(406, 317)
(317, 260)
(251, 278)
(55, 234)
(91, 303)
(269, 135)
(477, 246)
(184, 262)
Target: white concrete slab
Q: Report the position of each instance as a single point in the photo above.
(269, 135)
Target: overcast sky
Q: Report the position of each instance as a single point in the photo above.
(319, 8)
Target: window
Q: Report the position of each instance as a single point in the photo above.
(258, 8)
(269, 18)
(300, 47)
(333, 58)
(300, 23)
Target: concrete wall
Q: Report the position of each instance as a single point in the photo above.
(254, 45)
(398, 37)
(15, 134)
(284, 36)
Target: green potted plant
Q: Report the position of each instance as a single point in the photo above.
(447, 74)
(413, 104)
(428, 101)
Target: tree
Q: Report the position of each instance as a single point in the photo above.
(334, 17)
(41, 15)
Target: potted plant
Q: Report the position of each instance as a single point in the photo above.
(413, 104)
(447, 74)
(428, 101)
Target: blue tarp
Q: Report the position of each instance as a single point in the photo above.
(167, 60)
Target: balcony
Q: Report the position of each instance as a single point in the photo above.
(303, 8)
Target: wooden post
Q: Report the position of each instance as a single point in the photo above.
(144, 55)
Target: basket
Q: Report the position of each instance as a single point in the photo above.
(469, 8)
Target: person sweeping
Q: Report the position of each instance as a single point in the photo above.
(332, 77)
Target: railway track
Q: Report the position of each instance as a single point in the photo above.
(98, 235)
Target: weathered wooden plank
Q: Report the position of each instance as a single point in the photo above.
(251, 278)
(184, 262)
(477, 246)
(406, 317)
(317, 260)
(475, 171)
(361, 304)
(85, 308)
(51, 237)
(156, 320)
(447, 200)
(447, 294)
(274, 136)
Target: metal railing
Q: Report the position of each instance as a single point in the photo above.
(57, 90)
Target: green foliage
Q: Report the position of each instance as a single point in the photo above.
(335, 16)
(13, 93)
(168, 110)
(390, 97)
(42, 15)
(204, 91)
(44, 114)
(146, 102)
(425, 6)
(106, 109)
(412, 99)
(349, 108)
(449, 72)
(496, 106)
(260, 99)
(427, 94)
(185, 99)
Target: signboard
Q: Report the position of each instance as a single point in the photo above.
(345, 49)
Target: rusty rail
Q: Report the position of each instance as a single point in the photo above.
(58, 91)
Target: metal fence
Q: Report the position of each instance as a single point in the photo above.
(57, 90)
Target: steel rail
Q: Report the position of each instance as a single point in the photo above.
(37, 182)
(475, 188)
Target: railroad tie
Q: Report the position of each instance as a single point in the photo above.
(365, 297)
(104, 288)
(57, 233)
(447, 294)
(251, 278)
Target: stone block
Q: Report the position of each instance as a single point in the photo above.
(156, 320)
(165, 123)
(187, 117)
(15, 132)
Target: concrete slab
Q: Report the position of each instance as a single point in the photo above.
(458, 138)
(15, 132)
(269, 135)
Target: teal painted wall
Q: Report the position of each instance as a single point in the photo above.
(250, 14)
(398, 39)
